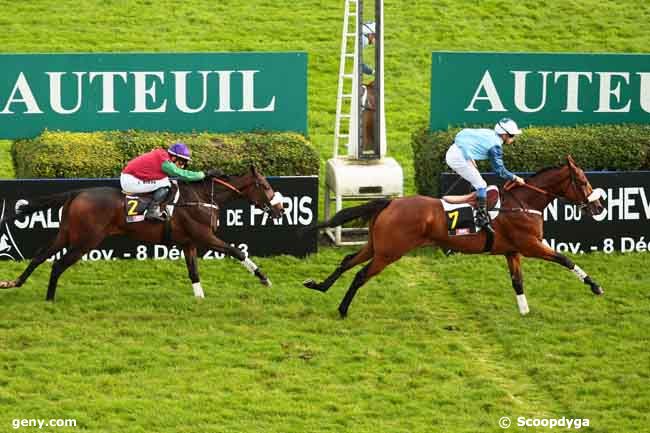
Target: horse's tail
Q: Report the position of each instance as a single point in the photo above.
(365, 211)
(39, 203)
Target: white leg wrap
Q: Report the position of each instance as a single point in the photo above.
(523, 305)
(198, 290)
(579, 272)
(248, 264)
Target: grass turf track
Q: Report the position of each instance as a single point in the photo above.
(433, 344)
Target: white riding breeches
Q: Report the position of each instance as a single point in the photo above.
(132, 185)
(464, 167)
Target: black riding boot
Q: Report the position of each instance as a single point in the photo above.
(482, 216)
(153, 211)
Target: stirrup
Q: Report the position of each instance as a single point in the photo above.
(483, 219)
(153, 215)
(485, 224)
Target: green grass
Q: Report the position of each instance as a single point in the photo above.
(433, 344)
(428, 346)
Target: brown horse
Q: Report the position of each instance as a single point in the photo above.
(90, 215)
(400, 225)
(368, 117)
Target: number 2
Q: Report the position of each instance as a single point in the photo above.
(133, 204)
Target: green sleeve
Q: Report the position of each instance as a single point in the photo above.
(186, 175)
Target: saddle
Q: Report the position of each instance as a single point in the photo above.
(460, 210)
(135, 205)
(471, 198)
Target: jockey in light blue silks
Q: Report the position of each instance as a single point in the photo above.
(479, 144)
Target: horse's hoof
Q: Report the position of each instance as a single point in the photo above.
(7, 284)
(343, 313)
(266, 282)
(597, 290)
(310, 284)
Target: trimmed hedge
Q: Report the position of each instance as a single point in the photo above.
(59, 154)
(594, 147)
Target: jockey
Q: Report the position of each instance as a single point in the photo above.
(479, 144)
(149, 172)
(368, 36)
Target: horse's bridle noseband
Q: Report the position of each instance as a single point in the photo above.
(266, 207)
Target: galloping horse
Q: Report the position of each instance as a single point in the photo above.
(90, 215)
(368, 117)
(400, 225)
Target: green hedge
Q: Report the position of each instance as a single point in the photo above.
(58, 154)
(601, 147)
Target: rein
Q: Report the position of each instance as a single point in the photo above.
(212, 205)
(214, 209)
(512, 185)
(518, 209)
(227, 185)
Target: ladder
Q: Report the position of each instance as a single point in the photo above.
(347, 110)
(359, 175)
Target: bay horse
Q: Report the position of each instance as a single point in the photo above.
(397, 226)
(90, 215)
(368, 116)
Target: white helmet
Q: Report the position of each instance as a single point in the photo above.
(367, 29)
(507, 126)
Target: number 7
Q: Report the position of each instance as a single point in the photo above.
(454, 218)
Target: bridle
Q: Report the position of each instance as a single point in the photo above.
(266, 206)
(573, 183)
(214, 208)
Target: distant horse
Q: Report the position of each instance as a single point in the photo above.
(368, 117)
(400, 225)
(90, 215)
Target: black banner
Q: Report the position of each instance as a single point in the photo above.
(621, 227)
(240, 223)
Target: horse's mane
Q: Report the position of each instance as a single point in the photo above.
(545, 169)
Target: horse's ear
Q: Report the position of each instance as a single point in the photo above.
(253, 170)
(570, 160)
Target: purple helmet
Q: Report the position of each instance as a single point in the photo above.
(180, 150)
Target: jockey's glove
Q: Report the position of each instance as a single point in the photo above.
(213, 172)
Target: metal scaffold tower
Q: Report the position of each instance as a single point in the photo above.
(364, 172)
